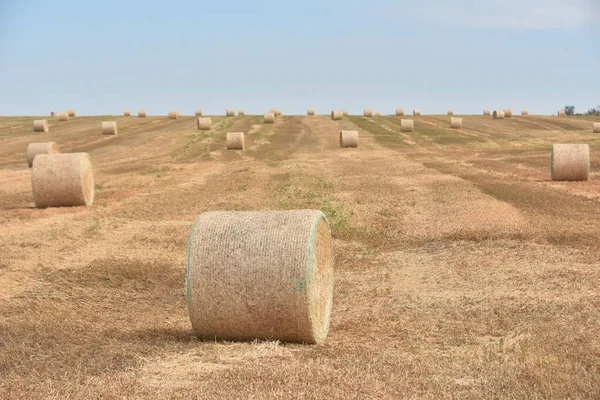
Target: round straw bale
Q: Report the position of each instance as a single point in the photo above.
(62, 180)
(524, 112)
(345, 113)
(265, 275)
(71, 113)
(377, 114)
(570, 162)
(407, 125)
(310, 111)
(127, 113)
(141, 113)
(596, 127)
(235, 141)
(278, 113)
(63, 116)
(337, 115)
(241, 112)
(198, 113)
(33, 149)
(507, 113)
(417, 112)
(450, 112)
(204, 123)
(399, 112)
(561, 113)
(368, 113)
(269, 117)
(348, 139)
(53, 113)
(456, 123)
(487, 112)
(230, 112)
(173, 114)
(109, 128)
(498, 114)
(40, 125)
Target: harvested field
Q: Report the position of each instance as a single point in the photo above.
(461, 269)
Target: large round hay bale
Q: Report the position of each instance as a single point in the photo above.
(198, 113)
(141, 113)
(310, 111)
(173, 114)
(498, 114)
(62, 180)
(507, 113)
(235, 141)
(63, 116)
(399, 112)
(241, 112)
(524, 113)
(230, 112)
(269, 117)
(570, 162)
(561, 113)
(456, 123)
(127, 113)
(348, 139)
(33, 149)
(109, 128)
(265, 275)
(487, 112)
(368, 113)
(450, 112)
(337, 115)
(204, 123)
(596, 127)
(407, 125)
(416, 112)
(71, 113)
(40, 125)
(345, 113)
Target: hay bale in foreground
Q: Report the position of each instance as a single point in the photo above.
(450, 112)
(63, 116)
(127, 113)
(368, 113)
(62, 180)
(348, 139)
(561, 113)
(40, 125)
(71, 113)
(570, 162)
(416, 112)
(487, 112)
(524, 113)
(508, 113)
(33, 149)
(109, 128)
(310, 111)
(337, 115)
(596, 127)
(399, 112)
(141, 113)
(265, 275)
(407, 125)
(498, 114)
(198, 113)
(235, 141)
(204, 123)
(230, 112)
(269, 117)
(456, 123)
(173, 114)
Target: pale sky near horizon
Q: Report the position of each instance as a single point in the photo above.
(103, 57)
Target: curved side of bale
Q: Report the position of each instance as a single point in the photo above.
(570, 162)
(407, 125)
(173, 114)
(450, 112)
(596, 127)
(269, 118)
(399, 112)
(310, 111)
(524, 113)
(235, 141)
(230, 112)
(456, 123)
(62, 180)
(109, 128)
(141, 113)
(348, 139)
(487, 112)
(63, 116)
(368, 113)
(40, 125)
(33, 149)
(265, 275)
(127, 113)
(241, 112)
(416, 112)
(508, 113)
(204, 123)
(198, 113)
(498, 114)
(337, 115)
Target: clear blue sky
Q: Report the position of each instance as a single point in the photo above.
(101, 57)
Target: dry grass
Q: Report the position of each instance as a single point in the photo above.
(462, 270)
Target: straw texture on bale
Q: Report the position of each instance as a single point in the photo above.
(204, 123)
(230, 112)
(399, 112)
(416, 112)
(269, 117)
(109, 128)
(62, 180)
(40, 125)
(456, 123)
(310, 111)
(450, 112)
(570, 162)
(524, 112)
(265, 275)
(507, 113)
(498, 114)
(71, 113)
(348, 139)
(141, 113)
(337, 115)
(241, 112)
(173, 114)
(235, 141)
(407, 125)
(33, 149)
(127, 113)
(198, 113)
(487, 112)
(561, 113)
(63, 116)
(596, 127)
(368, 113)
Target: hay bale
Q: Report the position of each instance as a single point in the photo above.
(407, 125)
(487, 112)
(127, 113)
(377, 114)
(596, 127)
(399, 112)
(40, 125)
(173, 114)
(71, 113)
(368, 113)
(348, 139)
(278, 113)
(416, 112)
(62, 180)
(265, 275)
(63, 116)
(141, 113)
(310, 111)
(230, 112)
(198, 113)
(241, 112)
(269, 117)
(561, 113)
(109, 128)
(337, 115)
(235, 141)
(33, 149)
(456, 123)
(345, 113)
(498, 114)
(524, 112)
(570, 162)
(508, 113)
(204, 123)
(450, 112)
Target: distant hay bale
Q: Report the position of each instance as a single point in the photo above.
(345, 113)
(230, 112)
(141, 113)
(561, 113)
(450, 112)
(198, 113)
(173, 114)
(241, 112)
(348, 139)
(337, 115)
(53, 113)
(456, 123)
(62, 180)
(487, 112)
(278, 113)
(498, 114)
(33, 149)
(269, 117)
(63, 116)
(235, 141)
(40, 125)
(368, 113)
(71, 113)
(524, 112)
(507, 113)
(260, 275)
(377, 114)
(416, 112)
(127, 113)
(399, 112)
(109, 128)
(204, 123)
(570, 162)
(407, 125)
(596, 127)
(310, 111)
